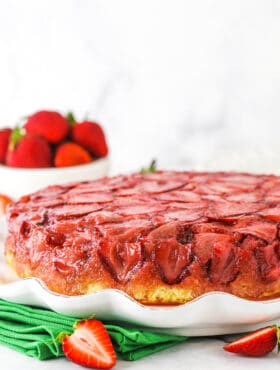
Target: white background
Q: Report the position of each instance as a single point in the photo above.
(181, 81)
(175, 80)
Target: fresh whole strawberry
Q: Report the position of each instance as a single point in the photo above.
(257, 343)
(90, 136)
(71, 154)
(4, 142)
(28, 151)
(90, 345)
(50, 125)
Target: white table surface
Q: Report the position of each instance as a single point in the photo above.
(197, 354)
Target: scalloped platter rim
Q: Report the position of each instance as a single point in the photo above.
(213, 313)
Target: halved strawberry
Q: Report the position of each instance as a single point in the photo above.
(90, 345)
(121, 259)
(172, 260)
(257, 343)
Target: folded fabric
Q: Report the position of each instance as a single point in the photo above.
(34, 331)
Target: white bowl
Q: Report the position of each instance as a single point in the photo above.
(16, 182)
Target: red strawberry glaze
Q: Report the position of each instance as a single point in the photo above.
(164, 237)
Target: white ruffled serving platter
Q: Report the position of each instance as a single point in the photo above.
(211, 314)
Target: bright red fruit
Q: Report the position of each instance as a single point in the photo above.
(90, 345)
(4, 142)
(28, 151)
(90, 136)
(257, 343)
(51, 125)
(71, 154)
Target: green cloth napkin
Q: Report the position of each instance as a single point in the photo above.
(33, 331)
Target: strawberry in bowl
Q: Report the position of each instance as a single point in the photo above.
(49, 149)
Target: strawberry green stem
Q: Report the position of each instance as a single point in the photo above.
(71, 118)
(61, 336)
(152, 168)
(16, 135)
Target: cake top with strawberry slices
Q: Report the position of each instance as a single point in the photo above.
(220, 217)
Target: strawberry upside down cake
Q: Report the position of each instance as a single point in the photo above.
(163, 237)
